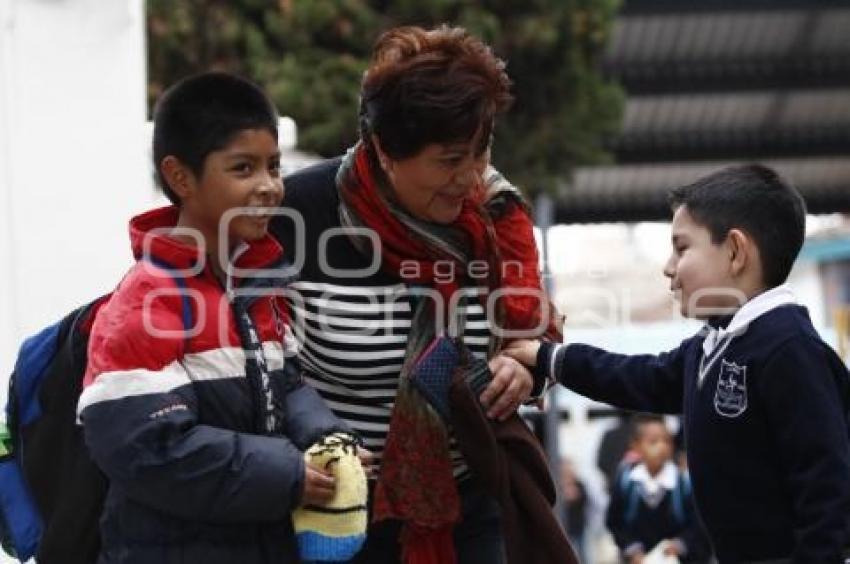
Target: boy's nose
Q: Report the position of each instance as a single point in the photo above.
(271, 187)
(670, 268)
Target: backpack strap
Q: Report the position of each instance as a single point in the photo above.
(188, 318)
(678, 495)
(631, 494)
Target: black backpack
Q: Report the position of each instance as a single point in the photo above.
(51, 493)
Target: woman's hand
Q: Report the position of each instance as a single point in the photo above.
(511, 386)
(319, 486)
(523, 350)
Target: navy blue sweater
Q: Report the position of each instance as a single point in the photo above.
(766, 431)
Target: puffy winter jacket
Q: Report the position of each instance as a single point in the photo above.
(199, 431)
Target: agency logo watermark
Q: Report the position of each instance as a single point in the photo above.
(330, 311)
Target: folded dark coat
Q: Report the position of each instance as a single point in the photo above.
(508, 461)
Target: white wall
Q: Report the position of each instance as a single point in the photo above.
(73, 163)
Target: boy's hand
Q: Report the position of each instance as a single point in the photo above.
(319, 486)
(523, 350)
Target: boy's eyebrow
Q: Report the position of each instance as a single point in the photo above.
(275, 155)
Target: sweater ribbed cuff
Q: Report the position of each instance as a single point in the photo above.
(541, 373)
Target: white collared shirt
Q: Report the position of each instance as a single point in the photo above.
(654, 488)
(717, 339)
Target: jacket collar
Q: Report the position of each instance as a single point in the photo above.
(149, 238)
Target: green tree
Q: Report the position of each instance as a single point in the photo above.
(310, 56)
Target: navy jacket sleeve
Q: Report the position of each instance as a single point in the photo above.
(636, 382)
(196, 472)
(806, 413)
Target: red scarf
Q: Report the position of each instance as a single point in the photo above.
(416, 483)
(505, 242)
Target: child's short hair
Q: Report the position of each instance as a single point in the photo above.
(203, 113)
(755, 199)
(641, 420)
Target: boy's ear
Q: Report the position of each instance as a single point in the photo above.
(177, 175)
(739, 244)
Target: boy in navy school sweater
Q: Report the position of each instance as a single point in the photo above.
(764, 399)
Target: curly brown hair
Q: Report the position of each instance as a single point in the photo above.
(431, 86)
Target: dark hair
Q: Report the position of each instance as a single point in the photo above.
(430, 86)
(755, 199)
(203, 113)
(641, 420)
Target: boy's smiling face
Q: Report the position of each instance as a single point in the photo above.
(245, 173)
(701, 271)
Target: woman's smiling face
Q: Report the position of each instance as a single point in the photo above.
(432, 184)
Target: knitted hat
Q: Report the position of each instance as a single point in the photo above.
(336, 530)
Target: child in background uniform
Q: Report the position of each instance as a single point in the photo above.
(764, 399)
(191, 406)
(651, 501)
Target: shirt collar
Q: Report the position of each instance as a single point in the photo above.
(666, 478)
(749, 312)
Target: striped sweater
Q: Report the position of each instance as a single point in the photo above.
(351, 318)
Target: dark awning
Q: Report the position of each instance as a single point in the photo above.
(712, 82)
(638, 192)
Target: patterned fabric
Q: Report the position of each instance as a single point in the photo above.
(432, 374)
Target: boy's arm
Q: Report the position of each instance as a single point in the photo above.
(140, 418)
(636, 382)
(809, 423)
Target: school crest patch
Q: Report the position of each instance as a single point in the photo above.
(730, 398)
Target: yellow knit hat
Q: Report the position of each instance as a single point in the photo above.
(336, 530)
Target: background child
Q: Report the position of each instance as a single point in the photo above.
(765, 400)
(651, 500)
(190, 406)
